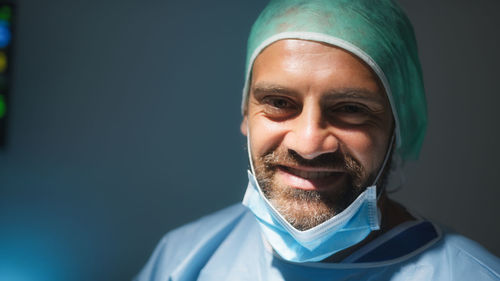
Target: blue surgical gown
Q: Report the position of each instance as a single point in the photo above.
(228, 245)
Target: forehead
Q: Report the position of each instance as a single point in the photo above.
(303, 65)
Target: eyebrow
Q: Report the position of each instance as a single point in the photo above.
(265, 88)
(331, 95)
(354, 93)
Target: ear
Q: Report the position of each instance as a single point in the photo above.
(244, 126)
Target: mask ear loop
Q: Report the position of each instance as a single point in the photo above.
(382, 168)
(396, 175)
(252, 170)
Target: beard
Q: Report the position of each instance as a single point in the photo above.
(304, 209)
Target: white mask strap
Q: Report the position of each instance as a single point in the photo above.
(250, 151)
(382, 168)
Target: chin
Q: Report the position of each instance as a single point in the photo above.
(303, 213)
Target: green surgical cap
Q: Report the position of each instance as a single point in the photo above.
(377, 31)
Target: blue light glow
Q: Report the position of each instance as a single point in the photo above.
(5, 34)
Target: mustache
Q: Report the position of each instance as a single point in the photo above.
(337, 160)
(333, 160)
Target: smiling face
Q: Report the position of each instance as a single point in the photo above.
(319, 124)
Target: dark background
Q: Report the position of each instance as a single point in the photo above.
(124, 123)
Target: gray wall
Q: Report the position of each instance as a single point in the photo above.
(124, 123)
(456, 180)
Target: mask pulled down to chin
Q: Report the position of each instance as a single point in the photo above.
(341, 231)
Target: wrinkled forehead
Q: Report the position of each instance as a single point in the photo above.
(325, 40)
(303, 57)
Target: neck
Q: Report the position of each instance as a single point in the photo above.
(392, 213)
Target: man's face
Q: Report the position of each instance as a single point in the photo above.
(319, 126)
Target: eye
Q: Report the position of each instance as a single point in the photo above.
(279, 102)
(351, 108)
(350, 113)
(278, 106)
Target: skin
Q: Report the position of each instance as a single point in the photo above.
(312, 109)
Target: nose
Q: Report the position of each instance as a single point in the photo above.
(310, 134)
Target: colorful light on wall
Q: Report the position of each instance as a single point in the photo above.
(5, 51)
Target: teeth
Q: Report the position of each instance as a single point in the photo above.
(310, 175)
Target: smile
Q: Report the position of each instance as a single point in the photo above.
(312, 175)
(308, 178)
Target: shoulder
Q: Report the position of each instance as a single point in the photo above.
(467, 249)
(461, 258)
(207, 225)
(189, 246)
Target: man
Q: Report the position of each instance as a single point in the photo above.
(333, 94)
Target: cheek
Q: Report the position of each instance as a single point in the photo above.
(368, 148)
(265, 135)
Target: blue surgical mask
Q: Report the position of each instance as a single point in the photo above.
(341, 231)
